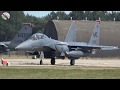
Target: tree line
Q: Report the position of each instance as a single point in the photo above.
(8, 28)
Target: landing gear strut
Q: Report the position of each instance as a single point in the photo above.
(72, 61)
(41, 56)
(52, 58)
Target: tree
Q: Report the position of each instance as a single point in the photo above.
(11, 26)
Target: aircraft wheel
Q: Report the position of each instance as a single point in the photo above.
(52, 61)
(72, 62)
(41, 62)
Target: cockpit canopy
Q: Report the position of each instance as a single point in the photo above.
(37, 36)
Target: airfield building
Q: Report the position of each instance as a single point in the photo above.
(109, 34)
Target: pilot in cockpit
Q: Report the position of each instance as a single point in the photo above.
(38, 36)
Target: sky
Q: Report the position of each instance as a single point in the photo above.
(40, 13)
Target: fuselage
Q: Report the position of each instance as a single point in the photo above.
(40, 42)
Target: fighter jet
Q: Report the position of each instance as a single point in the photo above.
(70, 37)
(22, 35)
(70, 49)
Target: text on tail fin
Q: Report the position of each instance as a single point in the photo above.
(22, 35)
(96, 33)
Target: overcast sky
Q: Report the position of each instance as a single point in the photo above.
(40, 13)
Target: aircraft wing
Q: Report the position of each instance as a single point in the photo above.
(109, 48)
(81, 46)
(99, 47)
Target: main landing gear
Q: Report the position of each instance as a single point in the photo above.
(52, 58)
(52, 61)
(72, 61)
(41, 62)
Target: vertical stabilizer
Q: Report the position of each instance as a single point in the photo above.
(94, 40)
(22, 35)
(71, 35)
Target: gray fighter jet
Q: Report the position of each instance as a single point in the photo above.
(22, 35)
(69, 48)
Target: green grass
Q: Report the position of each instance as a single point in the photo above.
(58, 72)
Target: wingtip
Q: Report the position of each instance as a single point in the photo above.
(116, 47)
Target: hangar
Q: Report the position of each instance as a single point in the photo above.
(109, 34)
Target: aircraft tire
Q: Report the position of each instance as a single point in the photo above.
(52, 61)
(41, 62)
(72, 62)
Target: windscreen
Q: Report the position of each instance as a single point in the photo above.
(38, 36)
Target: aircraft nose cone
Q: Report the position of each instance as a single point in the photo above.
(22, 47)
(19, 47)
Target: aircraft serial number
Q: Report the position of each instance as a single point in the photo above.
(23, 34)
